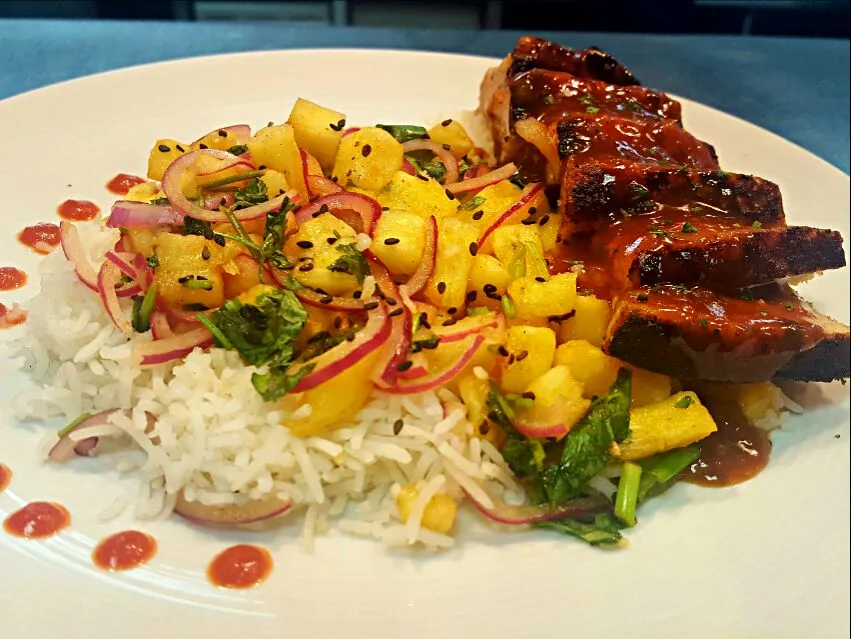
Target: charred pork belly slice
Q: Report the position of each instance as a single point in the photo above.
(700, 334)
(534, 53)
(594, 192)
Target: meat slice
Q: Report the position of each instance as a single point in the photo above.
(700, 334)
(535, 53)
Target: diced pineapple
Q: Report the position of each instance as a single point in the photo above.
(531, 350)
(535, 299)
(141, 240)
(591, 366)
(487, 271)
(675, 422)
(276, 183)
(556, 382)
(317, 130)
(760, 400)
(474, 394)
(438, 515)
(245, 277)
(275, 148)
(313, 166)
(144, 192)
(249, 297)
(163, 153)
(589, 322)
(181, 258)
(557, 400)
(402, 256)
(451, 132)
(314, 235)
(519, 249)
(367, 159)
(409, 194)
(447, 287)
(649, 388)
(220, 139)
(488, 205)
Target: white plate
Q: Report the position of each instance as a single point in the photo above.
(767, 558)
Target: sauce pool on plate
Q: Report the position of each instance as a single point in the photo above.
(78, 210)
(124, 550)
(37, 520)
(123, 182)
(5, 477)
(241, 566)
(42, 238)
(10, 317)
(11, 278)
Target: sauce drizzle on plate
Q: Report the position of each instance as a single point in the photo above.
(5, 477)
(124, 550)
(37, 520)
(123, 182)
(42, 238)
(78, 210)
(242, 566)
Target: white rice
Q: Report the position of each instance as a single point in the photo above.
(217, 442)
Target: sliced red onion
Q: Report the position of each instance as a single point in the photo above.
(536, 134)
(345, 355)
(472, 325)
(160, 328)
(440, 378)
(135, 215)
(177, 316)
(520, 515)
(108, 277)
(230, 514)
(241, 133)
(66, 447)
(172, 348)
(76, 254)
(173, 179)
(237, 161)
(407, 167)
(121, 244)
(532, 429)
(128, 290)
(426, 266)
(305, 172)
(123, 261)
(144, 273)
(349, 131)
(319, 185)
(445, 156)
(366, 208)
(476, 183)
(248, 262)
(212, 201)
(529, 192)
(398, 345)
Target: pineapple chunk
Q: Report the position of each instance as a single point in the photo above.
(589, 322)
(245, 278)
(649, 388)
(163, 153)
(276, 183)
(535, 299)
(275, 148)
(438, 515)
(556, 382)
(144, 192)
(675, 422)
(558, 400)
(591, 366)
(404, 256)
(180, 256)
(519, 249)
(409, 194)
(318, 130)
(474, 394)
(142, 240)
(488, 204)
(487, 270)
(532, 349)
(447, 287)
(317, 232)
(367, 159)
(451, 132)
(215, 140)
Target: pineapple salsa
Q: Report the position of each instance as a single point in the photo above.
(395, 259)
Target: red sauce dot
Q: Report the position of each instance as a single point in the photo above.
(5, 477)
(43, 238)
(37, 520)
(11, 278)
(78, 210)
(124, 550)
(10, 317)
(240, 566)
(123, 182)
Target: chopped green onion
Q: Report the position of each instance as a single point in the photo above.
(627, 497)
(239, 177)
(74, 424)
(664, 467)
(478, 310)
(517, 268)
(142, 309)
(508, 307)
(202, 285)
(684, 402)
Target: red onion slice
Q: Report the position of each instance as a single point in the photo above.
(137, 215)
(173, 179)
(529, 192)
(241, 132)
(366, 208)
(521, 515)
(123, 261)
(319, 185)
(108, 277)
(445, 156)
(349, 131)
(172, 348)
(476, 183)
(531, 429)
(76, 254)
(230, 515)
(438, 379)
(407, 167)
(426, 266)
(160, 328)
(212, 201)
(66, 447)
(233, 162)
(472, 325)
(398, 345)
(343, 356)
(536, 134)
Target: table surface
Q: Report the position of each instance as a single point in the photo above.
(797, 88)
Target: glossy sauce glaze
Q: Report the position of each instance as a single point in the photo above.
(37, 520)
(42, 238)
(5, 477)
(124, 550)
(78, 210)
(242, 566)
(10, 317)
(11, 278)
(123, 182)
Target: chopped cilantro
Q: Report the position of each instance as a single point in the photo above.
(688, 227)
(351, 261)
(473, 203)
(684, 402)
(238, 149)
(404, 132)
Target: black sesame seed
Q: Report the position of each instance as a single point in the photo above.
(203, 146)
(471, 296)
(404, 366)
(396, 312)
(390, 241)
(183, 280)
(357, 294)
(522, 355)
(341, 123)
(544, 220)
(205, 253)
(323, 209)
(326, 299)
(446, 147)
(533, 210)
(307, 266)
(335, 127)
(305, 244)
(219, 239)
(484, 428)
(164, 148)
(450, 321)
(350, 337)
(528, 221)
(494, 296)
(422, 177)
(441, 287)
(331, 240)
(528, 395)
(223, 134)
(474, 248)
(450, 194)
(489, 288)
(502, 350)
(390, 301)
(370, 306)
(446, 122)
(366, 150)
(452, 310)
(385, 208)
(478, 215)
(642, 297)
(511, 359)
(424, 321)
(538, 278)
(398, 425)
(180, 148)
(334, 179)
(208, 233)
(199, 277)
(338, 322)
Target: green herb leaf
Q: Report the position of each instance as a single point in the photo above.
(602, 529)
(152, 261)
(425, 344)
(159, 201)
(473, 203)
(660, 470)
(434, 169)
(351, 261)
(756, 224)
(255, 192)
(592, 110)
(518, 181)
(277, 382)
(191, 226)
(508, 307)
(404, 132)
(684, 402)
(688, 228)
(67, 429)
